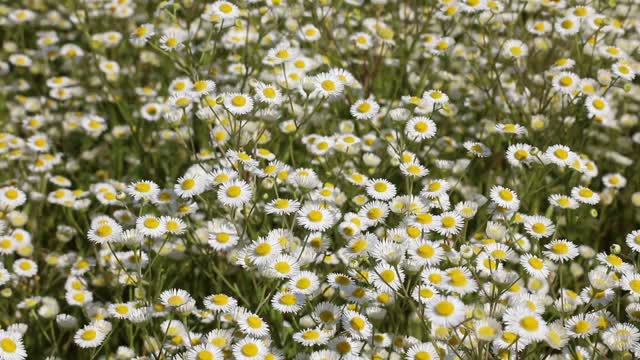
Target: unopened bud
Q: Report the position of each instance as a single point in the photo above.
(615, 249)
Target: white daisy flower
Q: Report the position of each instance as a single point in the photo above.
(422, 351)
(235, 193)
(25, 268)
(253, 325)
(505, 197)
(143, 190)
(364, 109)
(237, 103)
(565, 82)
(581, 325)
(633, 240)
(561, 250)
(315, 217)
(175, 298)
(283, 267)
(560, 155)
(435, 188)
(525, 323)
(585, 195)
(220, 302)
(92, 335)
(104, 230)
(539, 226)
(249, 348)
(380, 189)
(534, 266)
(563, 201)
(420, 128)
(204, 352)
(448, 223)
(11, 197)
(356, 324)
(282, 206)
(445, 310)
(311, 337)
(328, 85)
(149, 225)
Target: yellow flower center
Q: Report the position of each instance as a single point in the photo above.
(586, 193)
(388, 275)
(421, 127)
(205, 355)
(364, 107)
(448, 222)
(521, 154)
(444, 308)
(288, 299)
(561, 154)
(151, 223)
(435, 278)
(269, 93)
(254, 322)
(635, 285)
(315, 215)
(311, 335)
(143, 187)
(487, 331)
(175, 300)
(614, 260)
(529, 323)
(104, 230)
(250, 350)
(598, 104)
(359, 245)
(141, 31)
(425, 251)
(560, 248)
(357, 323)
(328, 85)
(226, 8)
(11, 194)
(509, 337)
(303, 283)
(539, 228)
(263, 249)
(282, 267)
(234, 191)
(582, 326)
(188, 184)
(8, 345)
(505, 195)
(536, 263)
(566, 81)
(426, 293)
(122, 309)
(380, 187)
(239, 100)
(457, 278)
(89, 335)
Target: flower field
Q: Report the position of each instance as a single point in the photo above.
(319, 180)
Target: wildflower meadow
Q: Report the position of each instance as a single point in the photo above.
(319, 180)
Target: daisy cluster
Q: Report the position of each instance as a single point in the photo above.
(319, 180)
